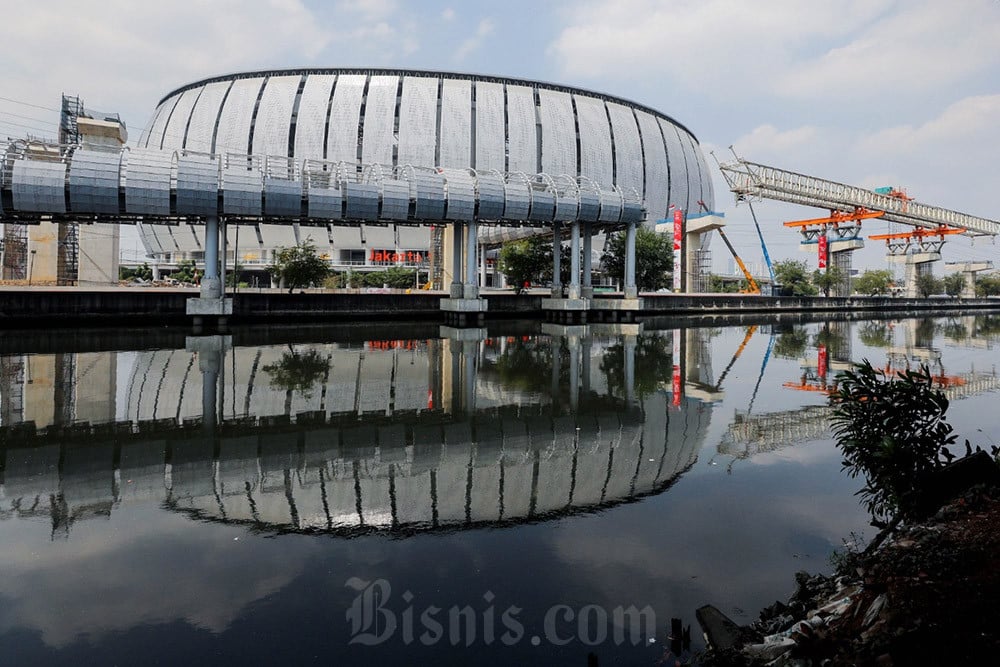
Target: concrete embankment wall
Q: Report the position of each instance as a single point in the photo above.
(66, 308)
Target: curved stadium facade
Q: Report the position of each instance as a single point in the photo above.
(400, 118)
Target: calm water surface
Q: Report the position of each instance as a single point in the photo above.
(525, 494)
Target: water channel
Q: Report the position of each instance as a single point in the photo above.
(413, 494)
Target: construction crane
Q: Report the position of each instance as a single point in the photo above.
(752, 286)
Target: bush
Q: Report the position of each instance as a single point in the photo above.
(893, 431)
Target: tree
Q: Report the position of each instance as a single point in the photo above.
(185, 272)
(988, 285)
(874, 282)
(297, 371)
(719, 285)
(953, 283)
(927, 284)
(524, 261)
(299, 266)
(830, 278)
(654, 258)
(794, 275)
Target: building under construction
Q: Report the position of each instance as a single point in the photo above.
(66, 253)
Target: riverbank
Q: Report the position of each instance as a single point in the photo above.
(925, 596)
(161, 306)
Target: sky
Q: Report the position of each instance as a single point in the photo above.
(863, 92)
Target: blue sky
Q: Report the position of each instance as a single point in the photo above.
(865, 92)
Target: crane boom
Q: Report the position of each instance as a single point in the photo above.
(754, 288)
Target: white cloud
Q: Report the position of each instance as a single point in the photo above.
(448, 14)
(371, 10)
(483, 30)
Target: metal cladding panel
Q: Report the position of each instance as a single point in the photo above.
(490, 140)
(418, 121)
(186, 237)
(346, 238)
(611, 207)
(456, 123)
(155, 133)
(657, 179)
(362, 201)
(590, 206)
(707, 186)
(241, 190)
(491, 196)
(325, 202)
(379, 237)
(395, 200)
(693, 169)
(274, 116)
(282, 197)
(427, 191)
(543, 205)
(164, 237)
(234, 120)
(628, 148)
(517, 201)
(632, 209)
(278, 236)
(521, 130)
(413, 238)
(595, 140)
(678, 167)
(559, 133)
(203, 117)
(149, 241)
(567, 207)
(310, 124)
(93, 182)
(176, 128)
(461, 199)
(345, 114)
(39, 186)
(147, 182)
(197, 185)
(380, 113)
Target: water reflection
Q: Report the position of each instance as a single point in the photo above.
(396, 435)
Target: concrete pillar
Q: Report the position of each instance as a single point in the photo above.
(631, 290)
(482, 267)
(585, 362)
(917, 264)
(456, 254)
(556, 260)
(471, 287)
(211, 287)
(574, 261)
(210, 364)
(587, 291)
(156, 271)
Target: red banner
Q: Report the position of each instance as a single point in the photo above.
(822, 252)
(678, 237)
(821, 361)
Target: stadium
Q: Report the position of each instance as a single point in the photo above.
(393, 120)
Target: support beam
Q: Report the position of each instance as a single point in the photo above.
(471, 287)
(556, 260)
(574, 261)
(631, 290)
(587, 291)
(457, 251)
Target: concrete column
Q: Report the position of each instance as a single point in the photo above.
(471, 287)
(574, 261)
(210, 364)
(456, 254)
(587, 291)
(585, 362)
(556, 260)
(631, 291)
(222, 267)
(482, 267)
(211, 287)
(156, 271)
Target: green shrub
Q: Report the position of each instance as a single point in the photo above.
(892, 430)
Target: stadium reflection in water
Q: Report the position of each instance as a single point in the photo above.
(398, 435)
(185, 492)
